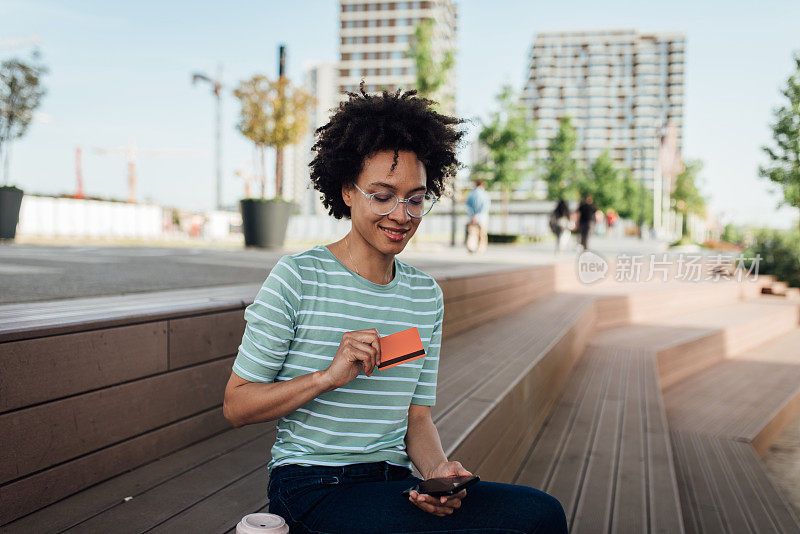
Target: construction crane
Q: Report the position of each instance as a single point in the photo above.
(131, 153)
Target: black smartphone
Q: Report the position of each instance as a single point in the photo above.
(438, 487)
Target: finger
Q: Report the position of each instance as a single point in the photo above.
(366, 347)
(431, 508)
(361, 356)
(370, 336)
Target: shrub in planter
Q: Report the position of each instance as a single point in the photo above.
(503, 238)
(780, 254)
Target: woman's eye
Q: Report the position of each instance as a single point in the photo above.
(383, 197)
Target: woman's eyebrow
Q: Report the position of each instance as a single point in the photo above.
(393, 188)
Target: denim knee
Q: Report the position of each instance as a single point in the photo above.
(552, 519)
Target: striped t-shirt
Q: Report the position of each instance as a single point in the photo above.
(294, 327)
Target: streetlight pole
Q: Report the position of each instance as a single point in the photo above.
(216, 84)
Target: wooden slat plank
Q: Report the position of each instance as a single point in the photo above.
(43, 369)
(45, 487)
(630, 500)
(570, 466)
(61, 430)
(224, 508)
(593, 510)
(665, 505)
(100, 497)
(700, 495)
(204, 337)
(691, 521)
(783, 518)
(731, 505)
(159, 504)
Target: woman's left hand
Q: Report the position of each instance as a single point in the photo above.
(447, 504)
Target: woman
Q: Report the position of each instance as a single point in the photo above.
(347, 432)
(559, 224)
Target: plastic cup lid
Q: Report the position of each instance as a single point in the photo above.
(262, 524)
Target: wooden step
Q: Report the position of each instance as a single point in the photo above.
(513, 367)
(724, 488)
(749, 398)
(688, 343)
(605, 452)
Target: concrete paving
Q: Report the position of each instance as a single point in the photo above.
(31, 272)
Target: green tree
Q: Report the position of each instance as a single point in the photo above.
(431, 72)
(686, 198)
(21, 92)
(274, 114)
(604, 183)
(637, 200)
(784, 167)
(561, 170)
(507, 136)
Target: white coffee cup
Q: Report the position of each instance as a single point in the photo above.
(262, 524)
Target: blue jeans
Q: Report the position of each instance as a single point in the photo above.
(367, 497)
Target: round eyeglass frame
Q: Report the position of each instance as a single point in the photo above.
(398, 201)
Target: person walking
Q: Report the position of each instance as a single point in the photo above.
(560, 223)
(586, 219)
(347, 434)
(478, 204)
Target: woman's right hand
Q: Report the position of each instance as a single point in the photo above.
(359, 350)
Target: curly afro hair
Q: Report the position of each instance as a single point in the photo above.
(366, 124)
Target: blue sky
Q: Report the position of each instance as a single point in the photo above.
(121, 70)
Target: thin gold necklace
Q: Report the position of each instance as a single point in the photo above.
(347, 239)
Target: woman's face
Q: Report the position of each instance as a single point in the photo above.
(386, 233)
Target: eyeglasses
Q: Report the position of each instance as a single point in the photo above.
(384, 202)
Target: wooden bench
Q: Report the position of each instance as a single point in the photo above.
(512, 353)
(100, 386)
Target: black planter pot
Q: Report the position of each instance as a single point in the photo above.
(264, 222)
(10, 201)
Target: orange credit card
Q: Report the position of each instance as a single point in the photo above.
(401, 347)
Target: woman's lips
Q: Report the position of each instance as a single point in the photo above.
(393, 236)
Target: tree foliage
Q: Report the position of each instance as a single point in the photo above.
(686, 198)
(506, 136)
(637, 200)
(562, 172)
(604, 183)
(432, 73)
(274, 114)
(21, 92)
(784, 166)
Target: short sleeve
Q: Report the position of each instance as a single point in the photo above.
(425, 392)
(270, 324)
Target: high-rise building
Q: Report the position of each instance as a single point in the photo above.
(622, 90)
(374, 39)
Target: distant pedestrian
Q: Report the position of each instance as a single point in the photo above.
(477, 231)
(560, 223)
(611, 219)
(586, 219)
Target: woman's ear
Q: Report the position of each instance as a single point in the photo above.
(347, 194)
